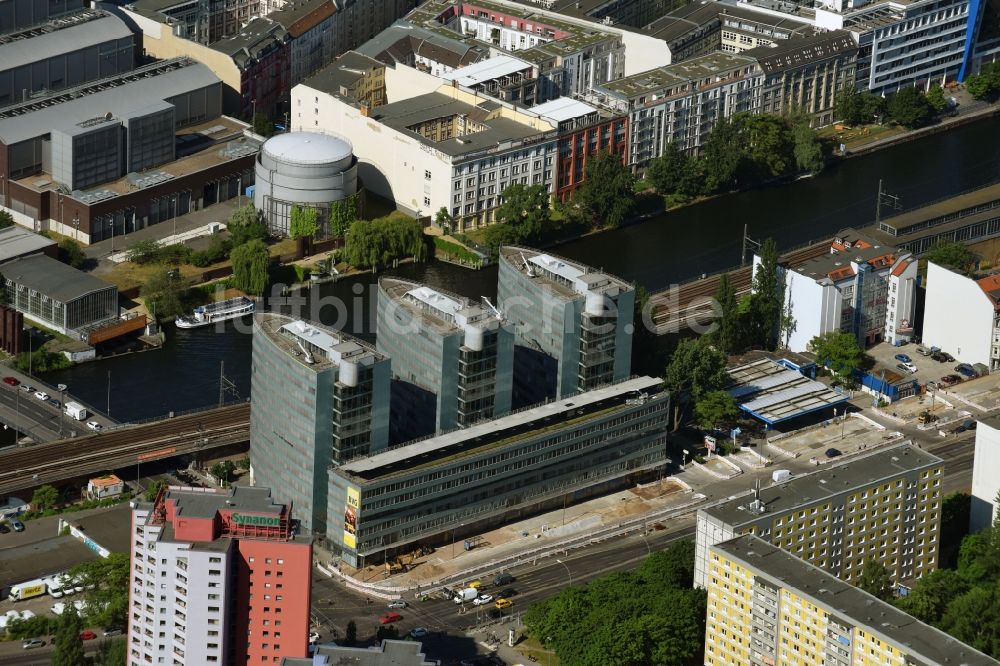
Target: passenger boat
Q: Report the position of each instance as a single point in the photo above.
(203, 315)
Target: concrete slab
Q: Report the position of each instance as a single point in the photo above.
(927, 368)
(843, 434)
(982, 393)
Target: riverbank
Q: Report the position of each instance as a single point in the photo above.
(984, 112)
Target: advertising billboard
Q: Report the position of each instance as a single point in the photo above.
(351, 510)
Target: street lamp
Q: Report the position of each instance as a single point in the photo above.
(174, 209)
(62, 404)
(453, 539)
(568, 572)
(76, 225)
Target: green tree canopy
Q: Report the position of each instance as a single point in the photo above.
(245, 224)
(525, 209)
(497, 235)
(695, 369)
(607, 195)
(767, 301)
(250, 266)
(71, 253)
(223, 471)
(839, 351)
(111, 653)
(986, 84)
(728, 331)
(106, 580)
(855, 108)
(154, 489)
(808, 150)
(379, 241)
(44, 497)
(303, 222)
(67, 643)
(936, 98)
(666, 173)
(715, 408)
(953, 255)
(910, 108)
(162, 293)
(6, 219)
(875, 579)
(933, 593)
(343, 213)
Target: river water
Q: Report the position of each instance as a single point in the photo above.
(672, 248)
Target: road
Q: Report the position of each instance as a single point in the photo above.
(27, 467)
(12, 654)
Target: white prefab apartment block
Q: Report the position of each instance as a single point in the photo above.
(985, 480)
(860, 288)
(962, 315)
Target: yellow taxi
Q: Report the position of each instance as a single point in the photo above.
(504, 603)
(476, 584)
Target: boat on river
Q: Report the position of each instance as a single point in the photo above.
(203, 315)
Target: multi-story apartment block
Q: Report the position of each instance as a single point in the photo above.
(975, 302)
(744, 29)
(805, 75)
(450, 148)
(452, 359)
(218, 577)
(634, 13)
(681, 103)
(504, 77)
(573, 325)
(766, 607)
(254, 63)
(885, 506)
(689, 31)
(468, 480)
(404, 45)
(860, 287)
(985, 481)
(309, 25)
(321, 398)
(64, 52)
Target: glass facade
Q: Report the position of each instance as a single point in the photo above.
(88, 309)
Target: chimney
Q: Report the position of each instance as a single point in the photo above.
(365, 111)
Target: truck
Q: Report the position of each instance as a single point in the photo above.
(22, 591)
(468, 594)
(76, 410)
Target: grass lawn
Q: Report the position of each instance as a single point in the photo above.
(127, 275)
(530, 647)
(855, 137)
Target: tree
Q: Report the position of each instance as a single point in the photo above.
(497, 235)
(974, 618)
(6, 219)
(67, 643)
(44, 497)
(386, 632)
(379, 241)
(910, 108)
(607, 194)
(839, 351)
(696, 368)
(303, 223)
(986, 84)
(223, 471)
(250, 263)
(243, 464)
(154, 490)
(933, 593)
(525, 208)
(855, 107)
(875, 580)
(106, 581)
(162, 293)
(720, 157)
(442, 219)
(4, 299)
(262, 125)
(342, 214)
(143, 252)
(246, 224)
(111, 653)
(808, 150)
(766, 141)
(666, 172)
(726, 335)
(71, 253)
(937, 100)
(953, 255)
(715, 408)
(351, 633)
(767, 299)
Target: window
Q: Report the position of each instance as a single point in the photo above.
(427, 176)
(427, 201)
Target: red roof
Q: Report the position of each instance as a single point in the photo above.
(898, 270)
(841, 273)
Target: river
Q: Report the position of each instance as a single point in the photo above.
(671, 248)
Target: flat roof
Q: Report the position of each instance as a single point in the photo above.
(562, 109)
(389, 653)
(949, 205)
(420, 451)
(406, 113)
(443, 311)
(205, 503)
(686, 71)
(294, 14)
(111, 529)
(773, 393)
(52, 277)
(487, 70)
(119, 95)
(831, 480)
(567, 279)
(802, 51)
(844, 601)
(16, 241)
(342, 72)
(403, 39)
(681, 21)
(19, 564)
(60, 36)
(332, 347)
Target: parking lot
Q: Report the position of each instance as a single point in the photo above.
(928, 369)
(847, 435)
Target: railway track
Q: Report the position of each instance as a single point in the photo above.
(29, 466)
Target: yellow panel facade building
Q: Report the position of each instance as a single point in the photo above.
(767, 607)
(884, 506)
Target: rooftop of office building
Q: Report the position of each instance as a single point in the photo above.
(567, 279)
(120, 96)
(484, 125)
(253, 41)
(59, 36)
(439, 310)
(206, 503)
(681, 21)
(402, 41)
(856, 248)
(800, 51)
(299, 16)
(558, 414)
(845, 602)
(314, 345)
(342, 73)
(663, 79)
(487, 70)
(831, 481)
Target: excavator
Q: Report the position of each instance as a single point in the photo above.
(402, 563)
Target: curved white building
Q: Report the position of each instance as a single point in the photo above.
(305, 169)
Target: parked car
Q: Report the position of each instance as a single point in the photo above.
(503, 579)
(11, 381)
(506, 593)
(113, 631)
(965, 369)
(833, 453)
(17, 525)
(419, 632)
(55, 403)
(41, 395)
(398, 603)
(504, 603)
(939, 357)
(87, 635)
(476, 584)
(27, 388)
(313, 637)
(948, 357)
(482, 599)
(908, 368)
(923, 351)
(95, 426)
(4, 529)
(389, 618)
(903, 358)
(30, 643)
(950, 380)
